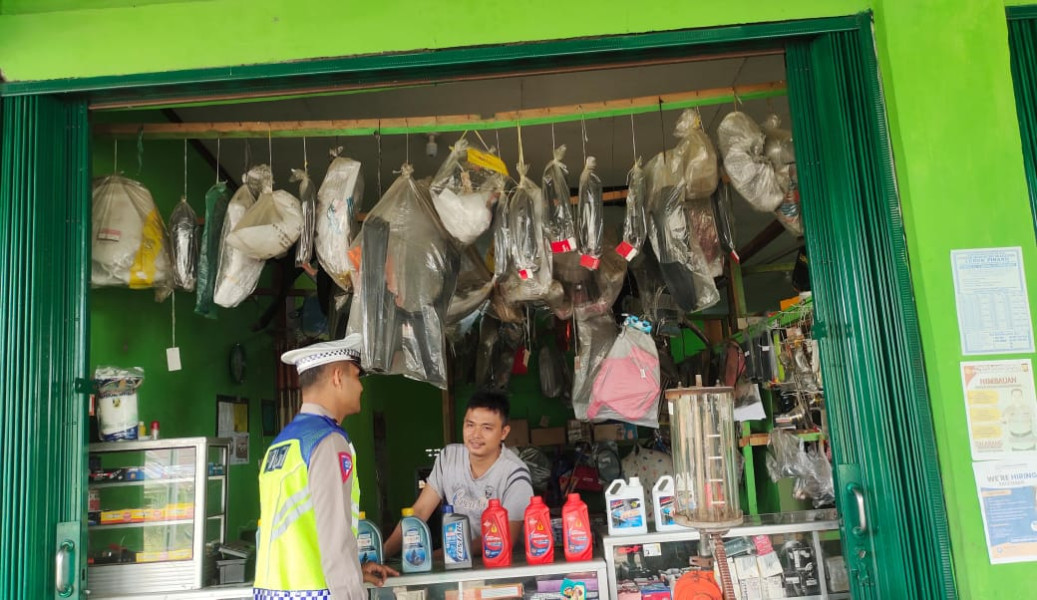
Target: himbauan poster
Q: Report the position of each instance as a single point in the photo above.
(993, 306)
(1008, 500)
(1001, 408)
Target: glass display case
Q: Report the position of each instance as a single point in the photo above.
(153, 507)
(784, 555)
(519, 581)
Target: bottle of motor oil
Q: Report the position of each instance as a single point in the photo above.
(665, 503)
(417, 543)
(625, 504)
(457, 539)
(368, 540)
(540, 543)
(496, 536)
(577, 540)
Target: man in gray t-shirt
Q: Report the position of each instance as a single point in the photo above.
(468, 475)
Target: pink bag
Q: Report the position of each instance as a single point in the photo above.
(627, 386)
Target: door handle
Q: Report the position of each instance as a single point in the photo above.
(63, 573)
(862, 517)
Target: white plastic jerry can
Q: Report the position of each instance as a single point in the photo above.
(625, 502)
(665, 503)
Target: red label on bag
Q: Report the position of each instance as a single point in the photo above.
(589, 262)
(525, 274)
(563, 246)
(627, 251)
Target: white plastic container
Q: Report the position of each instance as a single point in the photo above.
(625, 502)
(665, 503)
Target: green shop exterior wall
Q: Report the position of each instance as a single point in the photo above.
(949, 96)
(947, 84)
(128, 328)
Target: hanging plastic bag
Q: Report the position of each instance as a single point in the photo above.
(116, 390)
(216, 201)
(474, 285)
(752, 174)
(635, 222)
(130, 246)
(596, 336)
(529, 275)
(681, 261)
(501, 239)
(590, 292)
(408, 268)
(627, 386)
(338, 201)
(183, 232)
(561, 229)
(591, 213)
(464, 190)
(723, 216)
(704, 231)
(498, 343)
(551, 367)
(308, 207)
(781, 153)
(238, 273)
(270, 226)
(698, 156)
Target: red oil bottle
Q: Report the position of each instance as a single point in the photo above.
(496, 536)
(540, 544)
(578, 540)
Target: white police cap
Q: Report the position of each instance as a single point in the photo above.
(322, 353)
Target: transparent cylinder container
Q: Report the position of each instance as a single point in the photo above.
(705, 457)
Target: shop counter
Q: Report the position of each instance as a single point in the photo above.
(783, 555)
(531, 582)
(237, 591)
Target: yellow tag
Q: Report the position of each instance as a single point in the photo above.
(142, 271)
(487, 161)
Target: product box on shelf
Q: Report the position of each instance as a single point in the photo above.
(519, 434)
(615, 432)
(548, 436)
(578, 431)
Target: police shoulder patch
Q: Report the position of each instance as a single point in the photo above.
(345, 463)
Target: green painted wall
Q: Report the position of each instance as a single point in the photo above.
(956, 142)
(945, 73)
(128, 328)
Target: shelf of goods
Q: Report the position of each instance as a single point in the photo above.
(519, 581)
(154, 507)
(784, 555)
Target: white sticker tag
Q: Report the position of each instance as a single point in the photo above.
(172, 359)
(653, 549)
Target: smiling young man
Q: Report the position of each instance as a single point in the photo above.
(468, 475)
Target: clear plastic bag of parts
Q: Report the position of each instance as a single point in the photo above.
(781, 153)
(787, 456)
(704, 230)
(216, 201)
(498, 342)
(130, 246)
(529, 276)
(752, 174)
(308, 206)
(698, 156)
(338, 201)
(591, 222)
(270, 226)
(723, 216)
(474, 285)
(595, 337)
(561, 228)
(501, 238)
(407, 266)
(183, 234)
(238, 273)
(681, 261)
(594, 292)
(465, 189)
(627, 385)
(635, 221)
(551, 368)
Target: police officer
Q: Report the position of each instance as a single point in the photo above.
(308, 488)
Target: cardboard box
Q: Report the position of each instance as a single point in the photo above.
(615, 432)
(519, 434)
(578, 431)
(548, 436)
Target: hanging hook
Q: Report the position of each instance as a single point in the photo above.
(633, 136)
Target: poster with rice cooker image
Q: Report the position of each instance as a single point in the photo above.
(1001, 408)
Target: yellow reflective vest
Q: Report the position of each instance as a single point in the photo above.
(288, 561)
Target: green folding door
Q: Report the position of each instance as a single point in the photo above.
(44, 265)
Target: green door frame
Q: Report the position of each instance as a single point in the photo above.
(1022, 44)
(905, 551)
